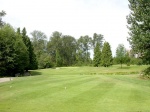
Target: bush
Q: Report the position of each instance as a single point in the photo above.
(146, 72)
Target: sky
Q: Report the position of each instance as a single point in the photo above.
(71, 17)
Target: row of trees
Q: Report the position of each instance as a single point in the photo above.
(102, 57)
(18, 52)
(63, 50)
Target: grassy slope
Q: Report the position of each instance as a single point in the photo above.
(60, 91)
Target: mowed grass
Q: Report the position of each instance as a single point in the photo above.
(77, 89)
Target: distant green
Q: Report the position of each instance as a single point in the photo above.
(77, 89)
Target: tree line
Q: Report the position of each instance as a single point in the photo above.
(65, 50)
(19, 52)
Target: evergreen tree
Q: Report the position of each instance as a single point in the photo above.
(32, 61)
(106, 58)
(21, 58)
(58, 59)
(97, 55)
(13, 52)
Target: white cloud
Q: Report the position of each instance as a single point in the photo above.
(72, 17)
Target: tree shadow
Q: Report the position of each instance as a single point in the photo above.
(34, 73)
(127, 67)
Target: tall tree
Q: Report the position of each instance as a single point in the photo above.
(32, 61)
(2, 14)
(120, 54)
(39, 42)
(13, 52)
(139, 28)
(68, 50)
(54, 47)
(97, 38)
(84, 44)
(97, 55)
(127, 58)
(106, 58)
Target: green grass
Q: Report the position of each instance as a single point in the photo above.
(77, 89)
(113, 70)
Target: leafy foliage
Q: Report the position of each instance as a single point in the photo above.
(139, 28)
(2, 14)
(68, 50)
(13, 52)
(120, 54)
(84, 44)
(97, 38)
(38, 43)
(127, 58)
(147, 72)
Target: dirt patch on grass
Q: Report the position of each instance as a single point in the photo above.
(5, 79)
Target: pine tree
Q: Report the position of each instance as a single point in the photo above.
(58, 59)
(32, 61)
(97, 55)
(33, 64)
(106, 59)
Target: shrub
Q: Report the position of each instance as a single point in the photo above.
(146, 72)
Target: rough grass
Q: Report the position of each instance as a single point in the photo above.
(113, 70)
(74, 90)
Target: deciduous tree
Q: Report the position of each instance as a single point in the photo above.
(39, 46)
(120, 54)
(2, 14)
(139, 28)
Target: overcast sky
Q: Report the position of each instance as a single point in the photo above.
(71, 17)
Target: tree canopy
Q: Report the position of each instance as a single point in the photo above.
(120, 54)
(2, 14)
(13, 52)
(139, 28)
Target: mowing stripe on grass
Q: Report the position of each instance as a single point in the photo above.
(83, 93)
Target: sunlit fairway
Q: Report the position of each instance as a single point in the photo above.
(77, 89)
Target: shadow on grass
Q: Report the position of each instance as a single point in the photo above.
(34, 73)
(127, 67)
